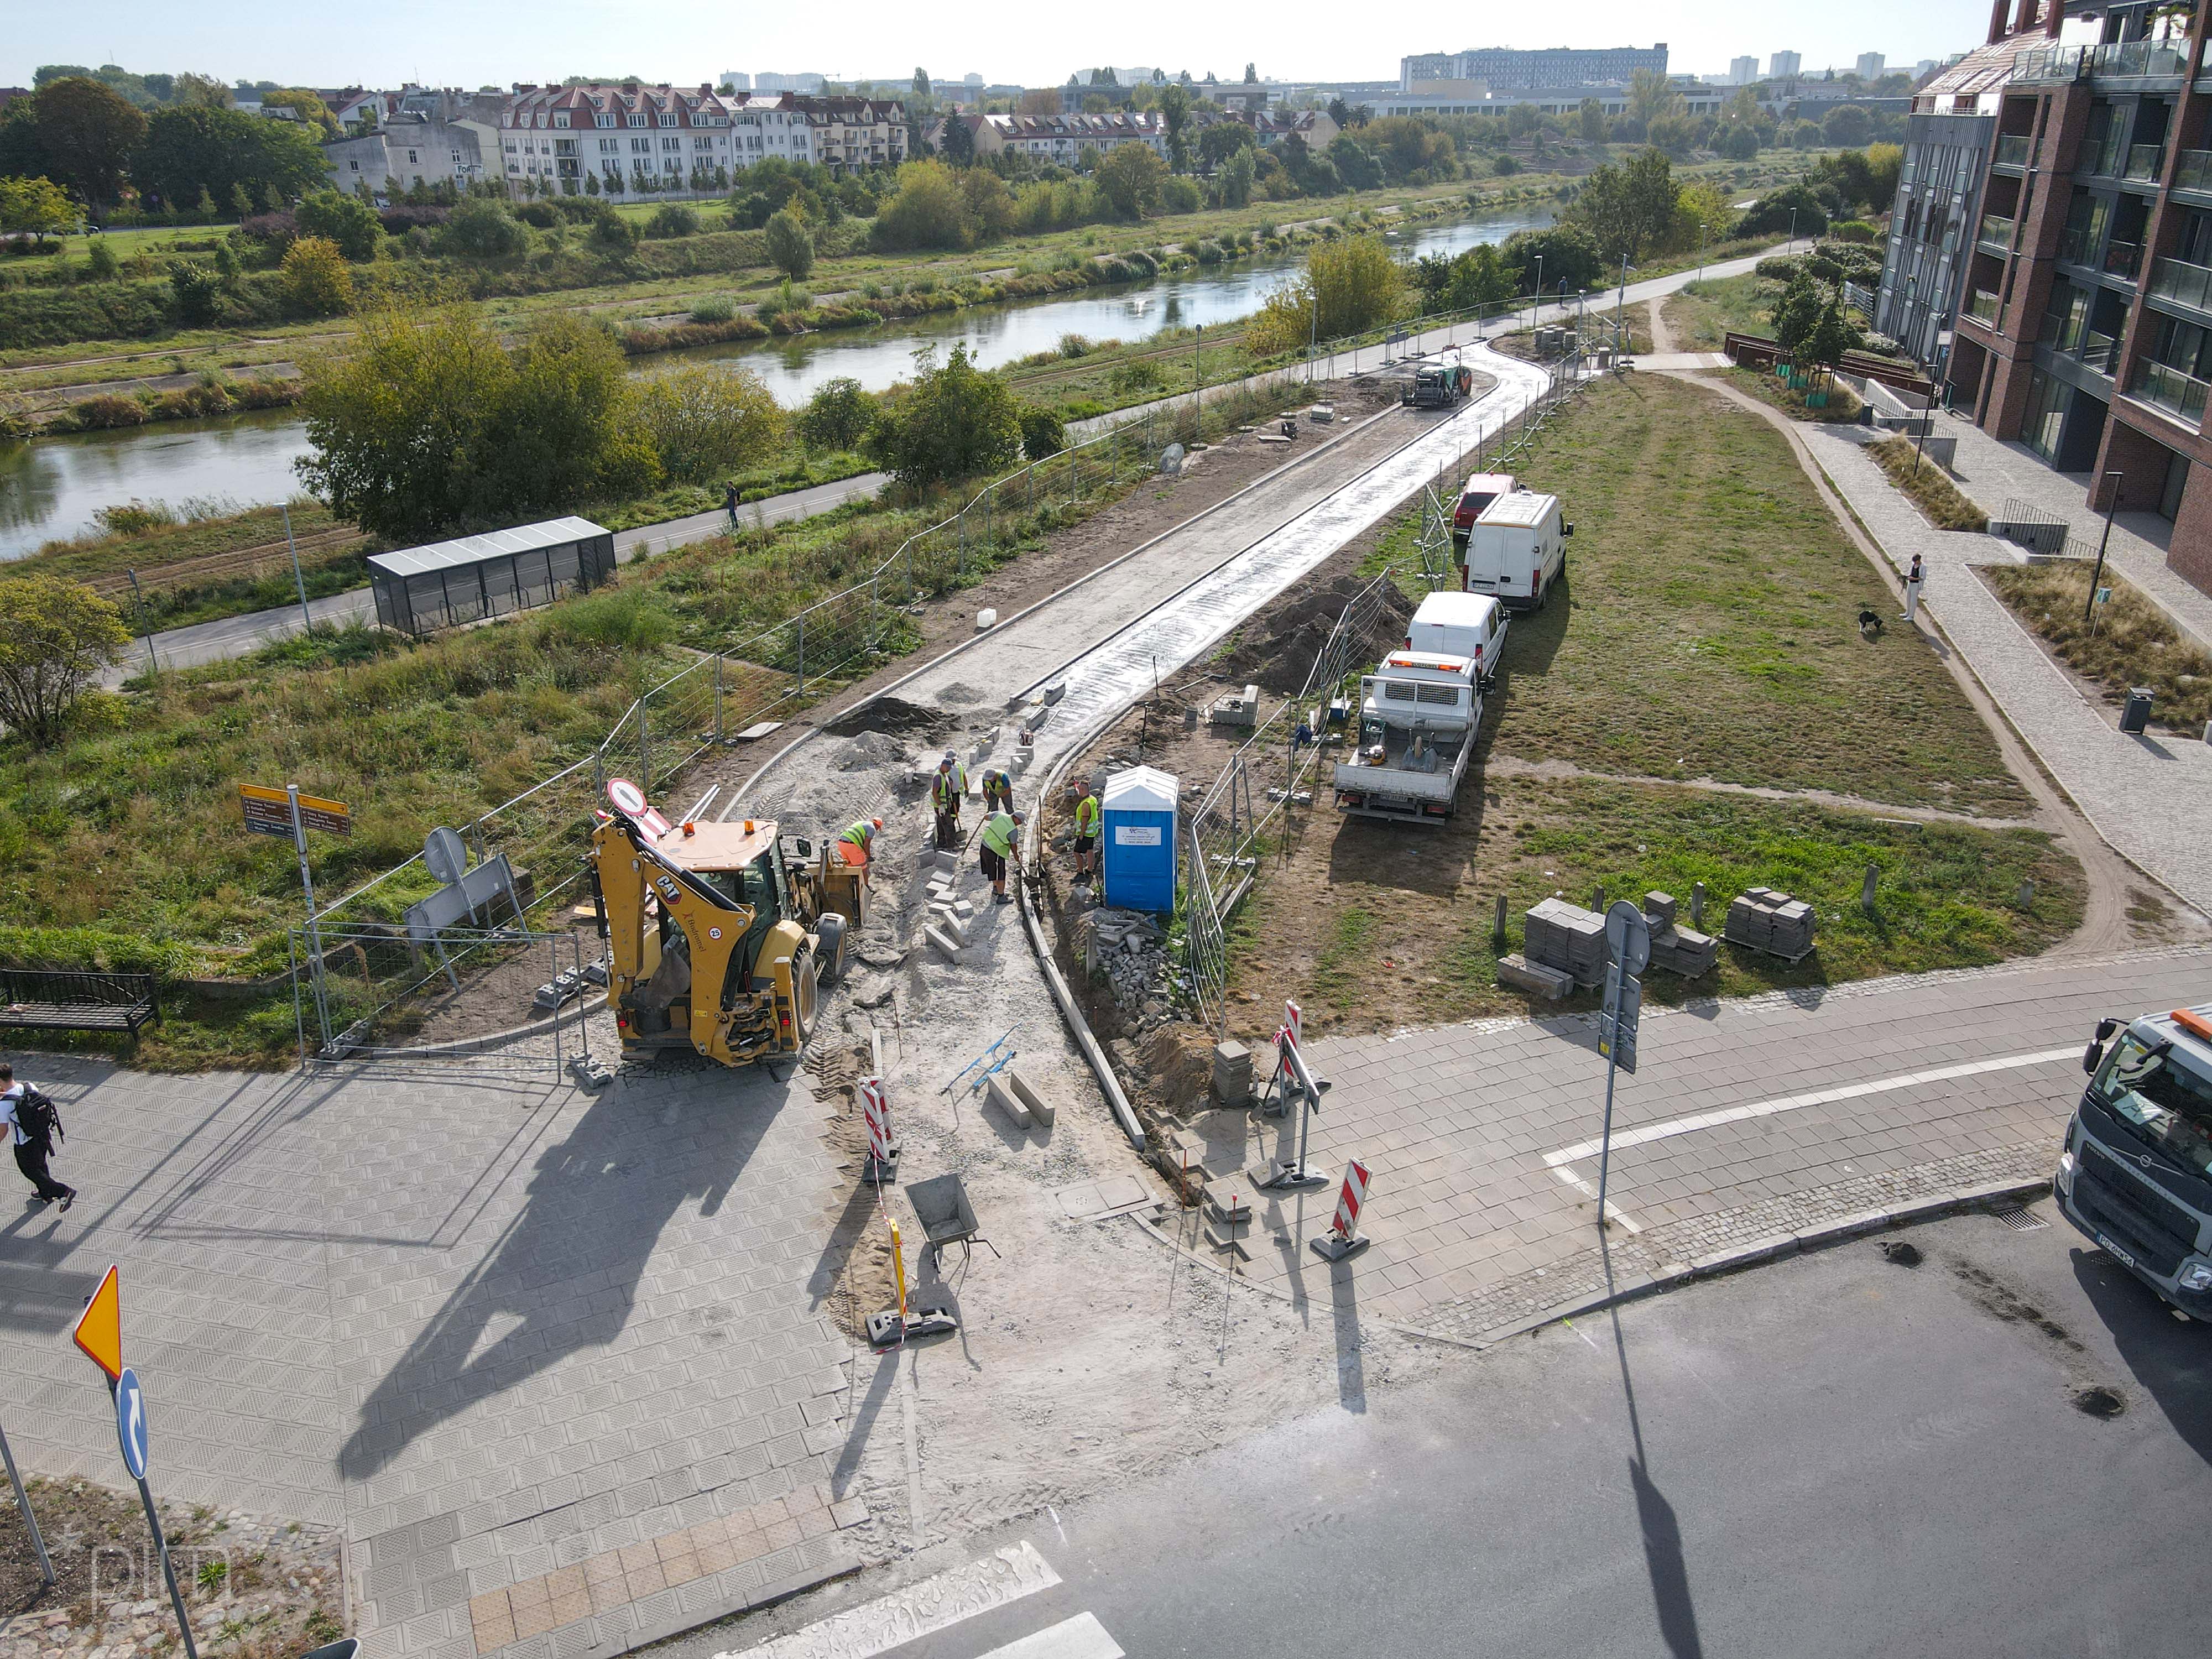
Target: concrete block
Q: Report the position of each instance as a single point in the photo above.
(1231, 1206)
(1523, 974)
(1002, 1099)
(1027, 1092)
(963, 909)
(1233, 1074)
(947, 947)
(947, 922)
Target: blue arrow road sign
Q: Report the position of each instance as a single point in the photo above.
(131, 1422)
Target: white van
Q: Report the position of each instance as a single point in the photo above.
(1471, 625)
(1518, 551)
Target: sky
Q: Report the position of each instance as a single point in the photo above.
(468, 42)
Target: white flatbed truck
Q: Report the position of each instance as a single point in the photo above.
(1419, 713)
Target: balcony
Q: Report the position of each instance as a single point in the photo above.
(1982, 307)
(2170, 391)
(2124, 259)
(2136, 59)
(2052, 67)
(1996, 233)
(2013, 150)
(2195, 171)
(2145, 163)
(2183, 283)
(2100, 352)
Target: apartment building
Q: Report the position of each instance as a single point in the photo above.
(1870, 66)
(1784, 64)
(849, 133)
(669, 140)
(1743, 71)
(1063, 138)
(1503, 68)
(2086, 331)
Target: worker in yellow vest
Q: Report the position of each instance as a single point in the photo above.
(998, 790)
(946, 791)
(1086, 832)
(857, 845)
(1001, 834)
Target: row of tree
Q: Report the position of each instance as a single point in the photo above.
(94, 142)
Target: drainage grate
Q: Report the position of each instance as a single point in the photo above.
(2019, 1220)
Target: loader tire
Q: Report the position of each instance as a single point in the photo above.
(830, 941)
(806, 997)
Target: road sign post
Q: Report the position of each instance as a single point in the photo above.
(286, 812)
(1628, 937)
(1293, 1077)
(23, 1503)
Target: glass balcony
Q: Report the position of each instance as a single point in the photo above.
(2055, 66)
(2194, 171)
(2137, 58)
(2013, 149)
(2164, 388)
(1982, 307)
(1996, 232)
(2178, 279)
(2124, 258)
(2146, 161)
(2100, 352)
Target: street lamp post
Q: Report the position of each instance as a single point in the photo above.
(1704, 231)
(2111, 506)
(1792, 242)
(1539, 310)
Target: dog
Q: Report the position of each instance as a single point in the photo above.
(1869, 625)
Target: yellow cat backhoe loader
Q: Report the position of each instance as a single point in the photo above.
(719, 933)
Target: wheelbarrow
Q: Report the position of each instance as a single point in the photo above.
(941, 1205)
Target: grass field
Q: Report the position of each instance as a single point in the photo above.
(1703, 313)
(1709, 627)
(2133, 643)
(1927, 486)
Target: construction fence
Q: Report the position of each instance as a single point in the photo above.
(1284, 763)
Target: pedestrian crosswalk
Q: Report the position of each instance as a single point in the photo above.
(940, 1602)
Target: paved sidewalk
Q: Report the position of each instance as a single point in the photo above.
(2149, 797)
(1744, 1120)
(1995, 472)
(556, 1362)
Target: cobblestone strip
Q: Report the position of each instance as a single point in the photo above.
(1673, 1249)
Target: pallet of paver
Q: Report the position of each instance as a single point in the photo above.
(1684, 950)
(1764, 920)
(1565, 937)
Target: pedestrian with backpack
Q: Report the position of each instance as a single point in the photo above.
(33, 1125)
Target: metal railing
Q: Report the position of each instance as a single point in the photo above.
(1996, 231)
(2170, 390)
(1272, 769)
(2194, 170)
(2179, 280)
(2013, 150)
(2124, 258)
(2100, 352)
(2146, 161)
(1982, 307)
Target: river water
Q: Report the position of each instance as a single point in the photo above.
(52, 487)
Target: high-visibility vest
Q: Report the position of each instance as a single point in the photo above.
(1086, 815)
(999, 834)
(861, 834)
(948, 789)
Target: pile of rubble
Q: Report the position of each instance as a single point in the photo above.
(1128, 950)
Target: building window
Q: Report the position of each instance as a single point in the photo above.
(2046, 414)
(561, 119)
(638, 121)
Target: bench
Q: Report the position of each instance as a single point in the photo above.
(59, 999)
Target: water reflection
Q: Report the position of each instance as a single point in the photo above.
(53, 486)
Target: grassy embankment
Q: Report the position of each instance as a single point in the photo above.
(2133, 642)
(1707, 634)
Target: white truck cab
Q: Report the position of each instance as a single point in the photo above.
(1419, 713)
(1471, 625)
(1517, 552)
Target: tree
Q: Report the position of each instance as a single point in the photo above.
(705, 422)
(37, 208)
(1044, 435)
(929, 209)
(99, 262)
(1590, 121)
(956, 422)
(197, 146)
(1356, 165)
(987, 204)
(1235, 179)
(1797, 313)
(316, 279)
(1175, 116)
(424, 423)
(1676, 133)
(1038, 100)
(1567, 253)
(1221, 140)
(347, 221)
(1348, 287)
(790, 244)
(1130, 178)
(55, 636)
(1794, 206)
(481, 229)
(956, 143)
(195, 291)
(1629, 207)
(202, 92)
(1847, 124)
(87, 134)
(837, 417)
(307, 105)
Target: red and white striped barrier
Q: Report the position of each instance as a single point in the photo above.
(875, 1106)
(1343, 1238)
(1293, 1024)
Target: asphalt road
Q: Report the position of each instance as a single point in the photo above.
(1835, 1455)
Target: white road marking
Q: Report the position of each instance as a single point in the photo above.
(1080, 1638)
(933, 1604)
(1583, 1150)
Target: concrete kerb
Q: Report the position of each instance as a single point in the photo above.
(1990, 1195)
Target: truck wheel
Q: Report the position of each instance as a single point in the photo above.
(806, 988)
(829, 945)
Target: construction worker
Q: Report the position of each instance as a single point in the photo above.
(857, 845)
(1001, 834)
(946, 790)
(1086, 832)
(998, 790)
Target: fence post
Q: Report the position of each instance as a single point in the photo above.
(644, 746)
(718, 696)
(801, 620)
(1032, 478)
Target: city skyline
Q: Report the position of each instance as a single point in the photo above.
(257, 39)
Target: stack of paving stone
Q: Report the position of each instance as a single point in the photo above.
(1677, 950)
(1567, 939)
(1764, 920)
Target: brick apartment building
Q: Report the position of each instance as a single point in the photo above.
(2085, 329)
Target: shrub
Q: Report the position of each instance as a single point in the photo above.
(1504, 166)
(713, 311)
(399, 220)
(100, 260)
(1074, 345)
(346, 221)
(482, 229)
(1853, 230)
(790, 244)
(195, 290)
(957, 421)
(706, 421)
(316, 278)
(613, 233)
(539, 213)
(1043, 434)
(673, 220)
(1178, 195)
(135, 517)
(838, 416)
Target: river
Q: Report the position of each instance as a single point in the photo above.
(53, 486)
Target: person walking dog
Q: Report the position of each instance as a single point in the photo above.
(33, 1125)
(1913, 578)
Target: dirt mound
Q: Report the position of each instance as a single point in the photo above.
(1277, 648)
(1180, 1059)
(893, 714)
(868, 751)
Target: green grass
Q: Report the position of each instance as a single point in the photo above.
(1703, 313)
(2134, 642)
(1709, 627)
(1929, 488)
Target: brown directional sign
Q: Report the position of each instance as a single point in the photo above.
(269, 812)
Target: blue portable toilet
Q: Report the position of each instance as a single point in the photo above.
(1139, 813)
